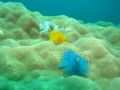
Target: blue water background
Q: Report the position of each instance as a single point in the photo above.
(87, 10)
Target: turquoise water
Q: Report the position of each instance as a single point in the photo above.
(87, 10)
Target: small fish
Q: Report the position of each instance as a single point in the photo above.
(73, 64)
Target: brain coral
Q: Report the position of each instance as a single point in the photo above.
(29, 61)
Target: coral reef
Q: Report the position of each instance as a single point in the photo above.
(29, 61)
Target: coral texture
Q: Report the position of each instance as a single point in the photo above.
(29, 61)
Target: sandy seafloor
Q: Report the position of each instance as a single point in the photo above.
(29, 61)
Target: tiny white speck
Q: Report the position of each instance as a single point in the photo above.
(68, 29)
(1, 32)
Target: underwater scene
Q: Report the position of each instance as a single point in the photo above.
(59, 45)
